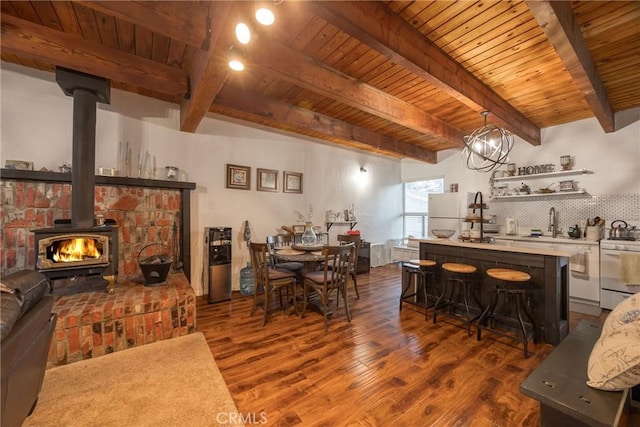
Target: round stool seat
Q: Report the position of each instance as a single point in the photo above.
(422, 262)
(508, 275)
(459, 268)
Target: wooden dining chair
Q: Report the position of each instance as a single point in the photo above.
(269, 280)
(332, 278)
(357, 241)
(282, 241)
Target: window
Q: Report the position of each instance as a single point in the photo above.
(415, 211)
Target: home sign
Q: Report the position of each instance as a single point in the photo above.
(532, 170)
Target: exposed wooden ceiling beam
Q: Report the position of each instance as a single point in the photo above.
(207, 73)
(561, 28)
(375, 25)
(304, 71)
(34, 41)
(186, 23)
(291, 116)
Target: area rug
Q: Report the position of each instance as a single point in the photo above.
(173, 382)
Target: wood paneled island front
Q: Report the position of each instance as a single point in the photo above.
(549, 296)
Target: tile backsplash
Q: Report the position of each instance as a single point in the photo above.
(534, 213)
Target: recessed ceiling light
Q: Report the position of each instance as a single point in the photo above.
(236, 65)
(264, 15)
(236, 59)
(243, 33)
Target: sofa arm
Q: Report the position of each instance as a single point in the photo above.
(24, 361)
(28, 286)
(9, 313)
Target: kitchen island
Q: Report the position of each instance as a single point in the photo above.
(548, 267)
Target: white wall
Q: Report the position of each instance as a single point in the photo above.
(37, 126)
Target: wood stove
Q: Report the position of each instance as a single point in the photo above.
(68, 252)
(77, 246)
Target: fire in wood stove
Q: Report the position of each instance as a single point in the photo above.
(61, 250)
(72, 252)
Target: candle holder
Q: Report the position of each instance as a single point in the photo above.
(565, 162)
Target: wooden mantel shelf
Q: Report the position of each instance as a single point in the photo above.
(48, 176)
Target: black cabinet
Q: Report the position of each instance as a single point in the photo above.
(364, 259)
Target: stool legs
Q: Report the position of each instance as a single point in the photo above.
(421, 277)
(455, 285)
(521, 305)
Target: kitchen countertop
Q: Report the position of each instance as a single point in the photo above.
(512, 246)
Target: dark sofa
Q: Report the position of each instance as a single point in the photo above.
(27, 325)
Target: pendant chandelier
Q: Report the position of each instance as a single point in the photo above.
(487, 148)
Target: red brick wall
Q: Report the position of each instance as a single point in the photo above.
(143, 215)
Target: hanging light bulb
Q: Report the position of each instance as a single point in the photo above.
(236, 59)
(243, 33)
(488, 147)
(264, 14)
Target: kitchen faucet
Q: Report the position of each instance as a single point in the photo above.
(553, 222)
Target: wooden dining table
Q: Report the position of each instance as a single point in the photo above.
(310, 256)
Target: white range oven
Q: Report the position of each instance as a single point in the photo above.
(612, 287)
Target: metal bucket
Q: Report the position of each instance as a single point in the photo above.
(155, 268)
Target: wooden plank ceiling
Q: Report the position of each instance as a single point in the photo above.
(401, 78)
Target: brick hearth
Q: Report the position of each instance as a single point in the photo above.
(91, 324)
(146, 211)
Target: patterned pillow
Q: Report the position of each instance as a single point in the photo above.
(614, 363)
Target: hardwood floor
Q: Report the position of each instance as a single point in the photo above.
(387, 367)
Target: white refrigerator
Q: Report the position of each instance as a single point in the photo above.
(447, 210)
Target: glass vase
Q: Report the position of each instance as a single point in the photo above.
(309, 237)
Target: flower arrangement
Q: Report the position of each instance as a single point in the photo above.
(302, 218)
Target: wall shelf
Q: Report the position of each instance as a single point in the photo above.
(573, 172)
(351, 224)
(536, 195)
(50, 176)
(542, 175)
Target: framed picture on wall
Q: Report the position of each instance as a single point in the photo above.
(238, 177)
(267, 180)
(292, 182)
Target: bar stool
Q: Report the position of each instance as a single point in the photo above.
(457, 276)
(515, 284)
(417, 269)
